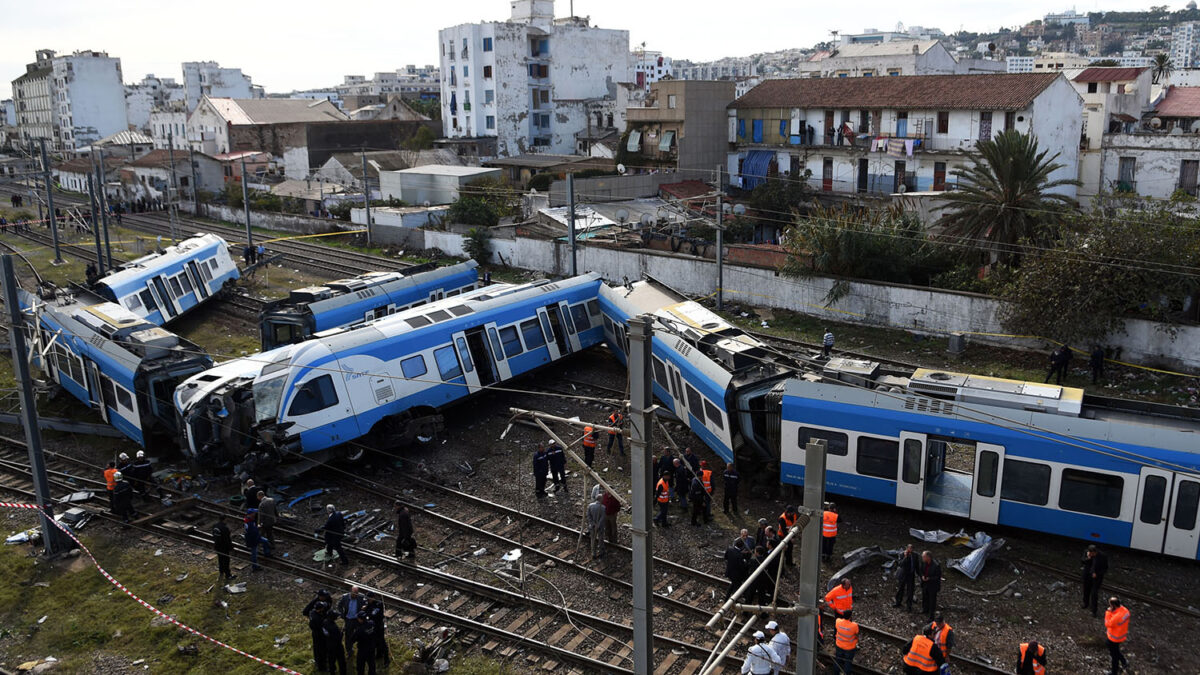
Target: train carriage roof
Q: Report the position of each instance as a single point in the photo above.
(133, 273)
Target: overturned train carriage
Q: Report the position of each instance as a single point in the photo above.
(384, 383)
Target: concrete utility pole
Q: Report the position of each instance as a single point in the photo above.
(104, 207)
(571, 220)
(810, 561)
(195, 184)
(641, 413)
(50, 202)
(366, 194)
(246, 203)
(53, 540)
(720, 254)
(95, 229)
(174, 187)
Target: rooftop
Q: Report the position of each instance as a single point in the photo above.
(125, 138)
(1180, 102)
(86, 165)
(997, 91)
(244, 111)
(1109, 74)
(444, 170)
(538, 160)
(892, 48)
(161, 159)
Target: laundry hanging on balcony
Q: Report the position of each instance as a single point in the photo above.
(754, 168)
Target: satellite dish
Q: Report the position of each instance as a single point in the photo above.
(622, 215)
(726, 207)
(621, 169)
(647, 220)
(1156, 123)
(425, 203)
(739, 210)
(991, 46)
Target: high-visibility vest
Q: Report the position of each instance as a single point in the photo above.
(663, 490)
(1116, 622)
(706, 480)
(920, 656)
(110, 478)
(940, 636)
(829, 524)
(614, 420)
(841, 599)
(1038, 668)
(847, 634)
(589, 438)
(789, 520)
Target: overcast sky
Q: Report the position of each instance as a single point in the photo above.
(302, 44)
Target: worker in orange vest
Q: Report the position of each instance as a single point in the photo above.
(662, 492)
(1032, 660)
(1116, 624)
(787, 520)
(943, 634)
(615, 420)
(840, 598)
(110, 482)
(706, 481)
(590, 439)
(829, 522)
(845, 645)
(922, 655)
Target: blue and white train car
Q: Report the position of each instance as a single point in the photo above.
(115, 362)
(161, 286)
(307, 311)
(383, 383)
(998, 451)
(708, 372)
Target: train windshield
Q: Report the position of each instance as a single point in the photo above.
(267, 394)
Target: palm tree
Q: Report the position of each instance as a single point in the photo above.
(1005, 196)
(1162, 67)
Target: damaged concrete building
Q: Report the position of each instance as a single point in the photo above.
(533, 82)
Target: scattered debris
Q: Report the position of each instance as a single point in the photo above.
(181, 577)
(239, 587)
(972, 564)
(281, 641)
(158, 553)
(188, 650)
(166, 599)
(43, 619)
(998, 591)
(307, 495)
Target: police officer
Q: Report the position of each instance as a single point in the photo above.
(541, 467)
(376, 617)
(122, 498)
(365, 644)
(223, 545)
(315, 612)
(760, 658)
(335, 653)
(731, 478)
(558, 466)
(141, 472)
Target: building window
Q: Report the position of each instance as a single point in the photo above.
(671, 101)
(1092, 87)
(1127, 174)
(487, 44)
(1010, 120)
(893, 73)
(985, 125)
(487, 72)
(943, 122)
(489, 95)
(490, 121)
(466, 70)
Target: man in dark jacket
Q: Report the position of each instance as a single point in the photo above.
(223, 545)
(735, 568)
(906, 572)
(541, 467)
(406, 545)
(930, 573)
(365, 641)
(335, 529)
(558, 466)
(140, 473)
(317, 613)
(123, 498)
(696, 494)
(335, 653)
(268, 515)
(375, 616)
(683, 482)
(732, 478)
(1095, 566)
(1096, 361)
(250, 494)
(692, 460)
(351, 606)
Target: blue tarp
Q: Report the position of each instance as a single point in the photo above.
(758, 131)
(783, 128)
(754, 168)
(741, 128)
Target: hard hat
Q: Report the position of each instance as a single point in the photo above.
(141, 454)
(122, 456)
(117, 475)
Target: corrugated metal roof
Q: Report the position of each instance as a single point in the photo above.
(1109, 74)
(1180, 102)
(915, 92)
(891, 48)
(126, 138)
(244, 111)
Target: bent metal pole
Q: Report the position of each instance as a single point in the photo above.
(763, 568)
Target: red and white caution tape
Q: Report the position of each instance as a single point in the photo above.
(143, 603)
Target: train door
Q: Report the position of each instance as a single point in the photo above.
(503, 371)
(910, 489)
(985, 493)
(556, 343)
(470, 374)
(564, 318)
(1182, 533)
(165, 301)
(1153, 509)
(485, 365)
(198, 280)
(97, 392)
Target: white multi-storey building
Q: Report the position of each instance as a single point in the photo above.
(1185, 45)
(89, 97)
(148, 95)
(531, 82)
(33, 100)
(1068, 17)
(650, 67)
(208, 78)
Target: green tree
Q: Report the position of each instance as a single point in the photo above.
(478, 245)
(498, 194)
(1161, 68)
(1125, 258)
(473, 211)
(430, 108)
(232, 194)
(1005, 197)
(421, 140)
(778, 196)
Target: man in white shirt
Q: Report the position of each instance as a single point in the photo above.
(760, 660)
(781, 645)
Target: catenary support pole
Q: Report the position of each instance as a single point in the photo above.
(95, 219)
(53, 540)
(640, 413)
(50, 202)
(810, 558)
(246, 203)
(571, 222)
(102, 197)
(366, 194)
(173, 193)
(720, 254)
(195, 184)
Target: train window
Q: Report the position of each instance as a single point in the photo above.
(1153, 497)
(593, 307)
(124, 399)
(213, 264)
(1091, 492)
(512, 343)
(836, 443)
(660, 373)
(447, 363)
(284, 334)
(877, 457)
(497, 350)
(413, 366)
(450, 294)
(186, 283)
(107, 392)
(460, 310)
(608, 326)
(532, 332)
(912, 461)
(1186, 505)
(580, 316)
(1025, 482)
(204, 273)
(695, 402)
(176, 290)
(315, 395)
(714, 414)
(417, 321)
(465, 354)
(148, 300)
(438, 315)
(133, 303)
(989, 465)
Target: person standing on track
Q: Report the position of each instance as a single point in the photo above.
(376, 617)
(350, 606)
(827, 343)
(406, 544)
(110, 483)
(335, 652)
(595, 522)
(662, 493)
(1095, 566)
(943, 635)
(781, 644)
(906, 573)
(365, 641)
(250, 493)
(840, 598)
(787, 520)
(123, 498)
(845, 644)
(253, 538)
(558, 467)
(707, 481)
(541, 467)
(731, 478)
(223, 546)
(921, 654)
(612, 508)
(829, 531)
(1116, 626)
(683, 483)
(268, 515)
(589, 441)
(615, 420)
(760, 659)
(335, 529)
(1031, 659)
(931, 582)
